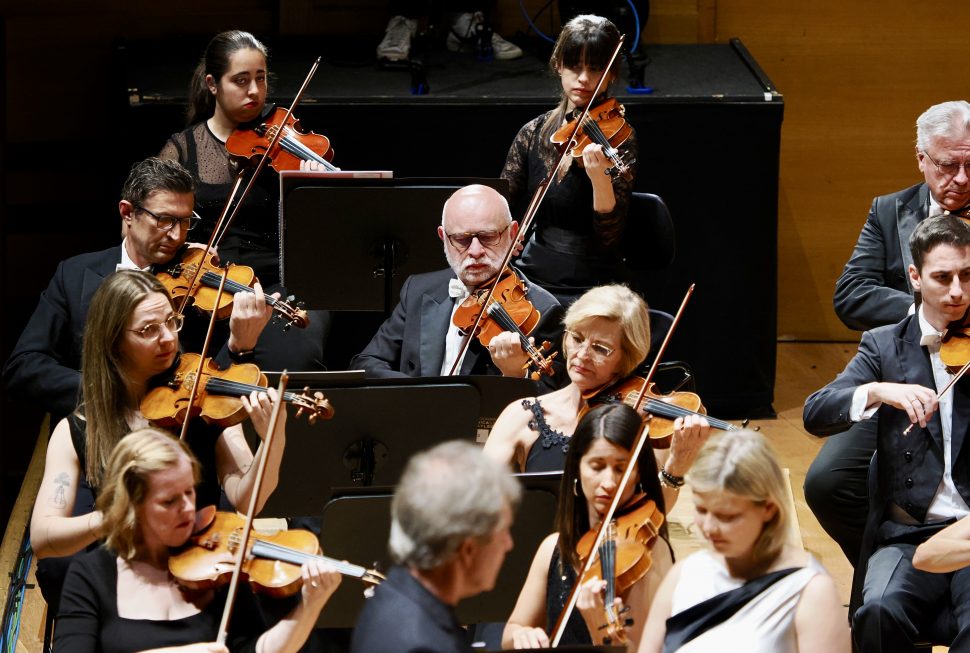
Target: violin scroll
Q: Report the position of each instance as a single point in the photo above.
(318, 406)
(290, 313)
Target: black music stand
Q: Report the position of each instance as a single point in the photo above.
(373, 432)
(340, 236)
(356, 526)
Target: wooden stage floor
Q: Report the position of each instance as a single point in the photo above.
(802, 368)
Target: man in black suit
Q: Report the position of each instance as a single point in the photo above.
(450, 530)
(156, 208)
(419, 339)
(874, 290)
(924, 476)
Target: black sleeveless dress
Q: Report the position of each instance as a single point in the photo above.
(559, 583)
(548, 452)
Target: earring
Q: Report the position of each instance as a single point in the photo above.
(575, 485)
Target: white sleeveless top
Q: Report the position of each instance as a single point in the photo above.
(766, 624)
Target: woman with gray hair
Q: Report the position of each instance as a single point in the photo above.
(753, 585)
(450, 530)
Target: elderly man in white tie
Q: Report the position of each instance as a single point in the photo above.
(419, 339)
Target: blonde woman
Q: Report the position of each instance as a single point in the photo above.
(606, 337)
(120, 598)
(752, 585)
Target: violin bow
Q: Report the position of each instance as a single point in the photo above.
(641, 440)
(251, 512)
(263, 159)
(946, 388)
(530, 213)
(198, 372)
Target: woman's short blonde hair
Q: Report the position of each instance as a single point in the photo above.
(134, 459)
(742, 463)
(619, 304)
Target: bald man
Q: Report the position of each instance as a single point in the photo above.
(419, 339)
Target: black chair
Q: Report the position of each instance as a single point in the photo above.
(649, 242)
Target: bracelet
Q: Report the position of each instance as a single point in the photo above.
(671, 481)
(239, 356)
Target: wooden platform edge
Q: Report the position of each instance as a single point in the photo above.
(20, 515)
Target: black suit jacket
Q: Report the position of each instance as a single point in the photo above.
(411, 342)
(873, 289)
(404, 617)
(911, 466)
(44, 365)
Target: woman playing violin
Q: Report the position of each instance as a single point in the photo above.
(120, 597)
(607, 336)
(581, 220)
(228, 90)
(788, 602)
(598, 456)
(131, 337)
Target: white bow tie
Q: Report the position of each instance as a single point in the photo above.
(457, 290)
(931, 340)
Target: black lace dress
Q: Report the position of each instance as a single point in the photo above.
(572, 247)
(253, 239)
(548, 452)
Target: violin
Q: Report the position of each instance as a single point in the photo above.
(271, 564)
(955, 343)
(218, 398)
(659, 410)
(294, 145)
(604, 125)
(205, 294)
(507, 309)
(623, 558)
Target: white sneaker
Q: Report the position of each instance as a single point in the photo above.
(396, 45)
(464, 32)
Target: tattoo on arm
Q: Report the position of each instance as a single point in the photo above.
(62, 481)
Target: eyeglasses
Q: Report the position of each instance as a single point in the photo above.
(168, 222)
(597, 350)
(153, 331)
(486, 238)
(950, 168)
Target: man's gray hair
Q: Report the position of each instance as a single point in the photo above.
(446, 494)
(947, 120)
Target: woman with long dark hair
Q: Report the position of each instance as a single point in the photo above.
(581, 220)
(599, 453)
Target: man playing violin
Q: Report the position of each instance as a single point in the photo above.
(450, 530)
(419, 338)
(874, 290)
(156, 207)
(924, 477)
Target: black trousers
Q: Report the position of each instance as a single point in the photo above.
(902, 605)
(836, 485)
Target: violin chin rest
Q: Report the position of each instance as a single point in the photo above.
(204, 517)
